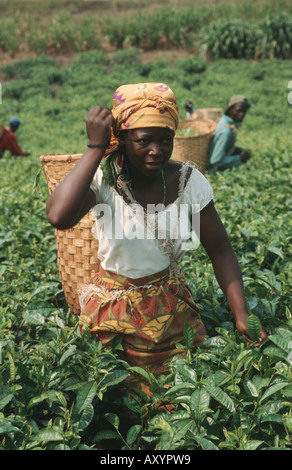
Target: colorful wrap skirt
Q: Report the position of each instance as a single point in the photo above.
(149, 312)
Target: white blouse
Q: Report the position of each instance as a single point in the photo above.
(136, 243)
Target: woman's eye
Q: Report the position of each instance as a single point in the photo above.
(168, 141)
(144, 142)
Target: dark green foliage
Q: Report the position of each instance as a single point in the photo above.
(230, 39)
(276, 38)
(58, 389)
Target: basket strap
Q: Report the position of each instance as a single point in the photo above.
(233, 128)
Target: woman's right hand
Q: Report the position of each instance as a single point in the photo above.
(73, 197)
(99, 123)
(245, 155)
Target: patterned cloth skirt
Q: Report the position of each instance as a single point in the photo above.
(150, 312)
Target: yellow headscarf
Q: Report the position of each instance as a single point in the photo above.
(143, 105)
(135, 106)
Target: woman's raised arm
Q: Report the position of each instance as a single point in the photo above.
(73, 198)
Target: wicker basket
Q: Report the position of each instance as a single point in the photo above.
(76, 247)
(194, 147)
(210, 113)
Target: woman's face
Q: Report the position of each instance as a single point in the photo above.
(148, 149)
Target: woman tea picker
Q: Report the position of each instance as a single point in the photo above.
(137, 194)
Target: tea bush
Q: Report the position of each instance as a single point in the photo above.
(27, 68)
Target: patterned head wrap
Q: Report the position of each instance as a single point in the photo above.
(145, 105)
(135, 106)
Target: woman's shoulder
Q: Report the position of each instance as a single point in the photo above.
(173, 166)
(176, 167)
(184, 170)
(188, 179)
(197, 189)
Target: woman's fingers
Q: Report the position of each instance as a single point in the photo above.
(98, 125)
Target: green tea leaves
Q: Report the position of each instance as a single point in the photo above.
(86, 395)
(221, 396)
(254, 327)
(189, 335)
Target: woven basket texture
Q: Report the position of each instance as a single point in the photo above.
(194, 148)
(211, 113)
(76, 247)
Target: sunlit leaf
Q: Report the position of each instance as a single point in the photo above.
(253, 325)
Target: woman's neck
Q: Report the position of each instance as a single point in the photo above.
(148, 190)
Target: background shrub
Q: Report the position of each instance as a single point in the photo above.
(27, 68)
(9, 40)
(116, 30)
(192, 64)
(216, 29)
(276, 40)
(61, 34)
(230, 39)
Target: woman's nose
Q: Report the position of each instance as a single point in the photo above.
(155, 149)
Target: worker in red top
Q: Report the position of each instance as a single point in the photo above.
(8, 140)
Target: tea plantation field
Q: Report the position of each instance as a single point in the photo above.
(58, 390)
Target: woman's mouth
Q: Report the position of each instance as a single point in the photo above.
(154, 164)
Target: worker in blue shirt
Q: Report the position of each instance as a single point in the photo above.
(223, 151)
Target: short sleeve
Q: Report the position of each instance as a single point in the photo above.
(97, 184)
(198, 191)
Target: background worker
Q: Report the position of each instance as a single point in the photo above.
(223, 151)
(8, 140)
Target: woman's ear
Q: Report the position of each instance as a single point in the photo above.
(121, 139)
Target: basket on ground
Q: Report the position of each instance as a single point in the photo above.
(194, 147)
(210, 113)
(76, 247)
